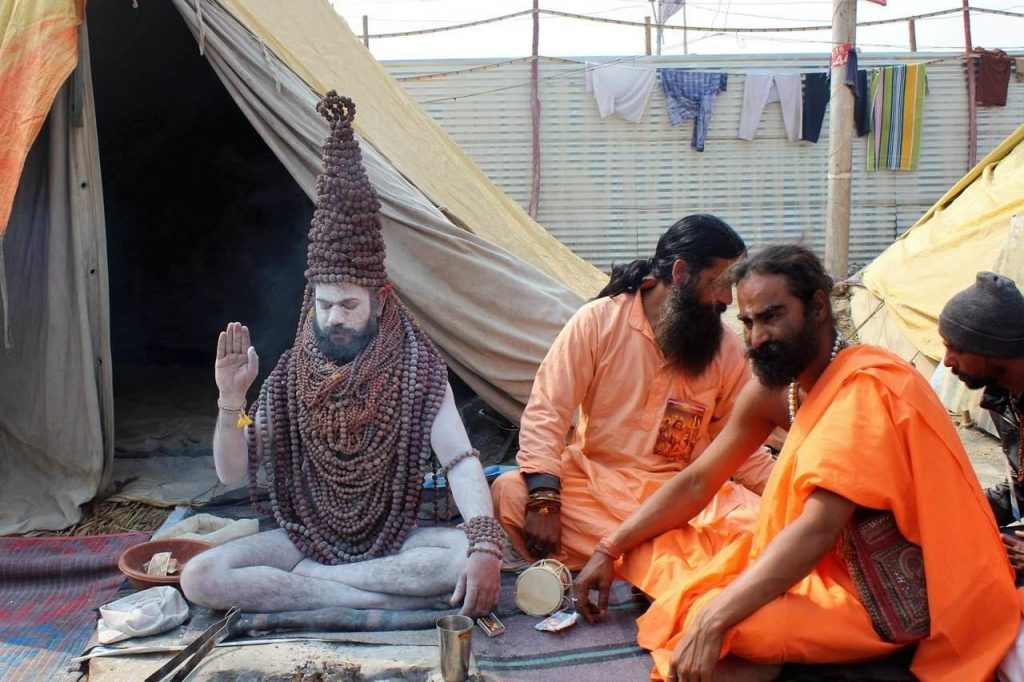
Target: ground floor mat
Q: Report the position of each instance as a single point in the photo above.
(50, 588)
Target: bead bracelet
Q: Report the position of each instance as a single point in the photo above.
(472, 452)
(484, 550)
(243, 418)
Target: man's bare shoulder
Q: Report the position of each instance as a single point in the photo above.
(761, 402)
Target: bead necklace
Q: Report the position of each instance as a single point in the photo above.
(346, 447)
(794, 387)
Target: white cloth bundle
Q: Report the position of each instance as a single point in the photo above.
(209, 528)
(148, 612)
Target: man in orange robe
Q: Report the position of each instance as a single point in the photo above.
(868, 433)
(654, 374)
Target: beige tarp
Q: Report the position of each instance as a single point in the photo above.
(960, 236)
(492, 314)
(492, 290)
(315, 43)
(56, 403)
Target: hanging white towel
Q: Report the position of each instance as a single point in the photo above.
(760, 89)
(623, 90)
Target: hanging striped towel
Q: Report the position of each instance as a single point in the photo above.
(897, 106)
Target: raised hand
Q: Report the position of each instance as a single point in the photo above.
(237, 363)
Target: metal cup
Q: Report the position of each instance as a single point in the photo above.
(455, 634)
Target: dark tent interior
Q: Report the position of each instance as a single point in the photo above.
(204, 226)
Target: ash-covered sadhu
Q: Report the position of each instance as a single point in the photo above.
(343, 428)
(346, 483)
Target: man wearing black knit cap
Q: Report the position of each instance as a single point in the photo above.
(983, 329)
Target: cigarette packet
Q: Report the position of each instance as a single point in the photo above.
(557, 621)
(490, 624)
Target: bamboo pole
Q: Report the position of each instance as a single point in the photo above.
(535, 113)
(972, 105)
(840, 143)
(647, 36)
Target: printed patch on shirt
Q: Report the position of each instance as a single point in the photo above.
(680, 429)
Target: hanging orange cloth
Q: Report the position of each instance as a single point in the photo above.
(873, 431)
(38, 50)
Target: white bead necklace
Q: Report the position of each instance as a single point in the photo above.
(794, 386)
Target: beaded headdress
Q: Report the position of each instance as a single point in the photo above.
(345, 243)
(345, 447)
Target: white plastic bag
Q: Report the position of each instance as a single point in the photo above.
(148, 612)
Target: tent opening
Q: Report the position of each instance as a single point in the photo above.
(204, 225)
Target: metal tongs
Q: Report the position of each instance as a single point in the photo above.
(193, 654)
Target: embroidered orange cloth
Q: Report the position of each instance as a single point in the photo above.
(607, 363)
(873, 431)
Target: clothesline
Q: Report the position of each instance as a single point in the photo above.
(485, 67)
(888, 99)
(526, 83)
(584, 66)
(698, 29)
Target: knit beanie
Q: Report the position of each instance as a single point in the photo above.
(345, 243)
(986, 318)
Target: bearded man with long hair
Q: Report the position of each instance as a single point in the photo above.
(653, 374)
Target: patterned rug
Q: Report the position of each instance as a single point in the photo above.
(607, 651)
(50, 588)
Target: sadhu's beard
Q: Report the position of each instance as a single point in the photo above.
(689, 331)
(342, 344)
(777, 363)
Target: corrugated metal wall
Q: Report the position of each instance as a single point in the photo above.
(610, 188)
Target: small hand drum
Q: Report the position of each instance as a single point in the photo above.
(543, 588)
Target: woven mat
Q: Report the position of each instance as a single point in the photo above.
(50, 588)
(607, 651)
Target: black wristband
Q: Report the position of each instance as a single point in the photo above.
(535, 482)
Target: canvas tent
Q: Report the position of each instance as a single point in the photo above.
(977, 225)
(490, 286)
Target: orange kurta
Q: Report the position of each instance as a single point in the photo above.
(873, 431)
(606, 363)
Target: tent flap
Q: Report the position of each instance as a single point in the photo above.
(38, 49)
(316, 44)
(960, 236)
(56, 413)
(492, 313)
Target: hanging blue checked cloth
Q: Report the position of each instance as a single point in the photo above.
(691, 94)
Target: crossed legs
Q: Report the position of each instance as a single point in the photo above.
(266, 573)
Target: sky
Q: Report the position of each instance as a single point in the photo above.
(563, 37)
